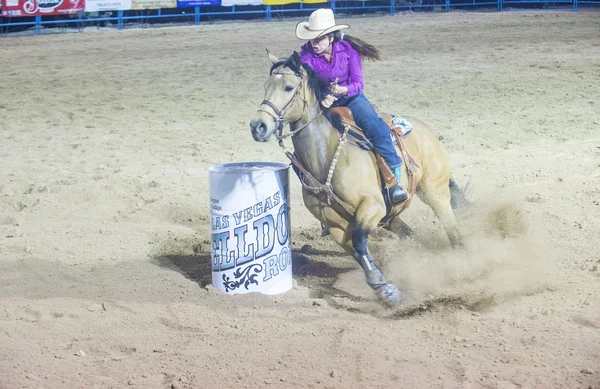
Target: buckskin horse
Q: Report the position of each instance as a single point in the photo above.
(343, 185)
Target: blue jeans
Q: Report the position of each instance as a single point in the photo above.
(375, 128)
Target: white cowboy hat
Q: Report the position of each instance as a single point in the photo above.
(321, 22)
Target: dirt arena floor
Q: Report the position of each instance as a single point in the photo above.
(106, 140)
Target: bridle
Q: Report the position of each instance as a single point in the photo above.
(308, 180)
(279, 117)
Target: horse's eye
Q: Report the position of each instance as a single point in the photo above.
(289, 88)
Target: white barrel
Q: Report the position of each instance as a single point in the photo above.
(250, 228)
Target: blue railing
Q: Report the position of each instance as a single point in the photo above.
(197, 14)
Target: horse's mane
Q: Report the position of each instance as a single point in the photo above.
(316, 84)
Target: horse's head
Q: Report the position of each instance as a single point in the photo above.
(285, 97)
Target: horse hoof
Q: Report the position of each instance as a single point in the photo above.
(389, 294)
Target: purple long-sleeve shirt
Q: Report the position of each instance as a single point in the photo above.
(345, 65)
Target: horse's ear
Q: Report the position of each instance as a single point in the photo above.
(272, 58)
(295, 58)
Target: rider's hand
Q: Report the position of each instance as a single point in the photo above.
(339, 90)
(328, 101)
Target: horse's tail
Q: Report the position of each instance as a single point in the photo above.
(458, 197)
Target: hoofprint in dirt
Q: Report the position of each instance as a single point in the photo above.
(104, 213)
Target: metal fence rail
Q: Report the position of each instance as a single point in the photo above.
(197, 14)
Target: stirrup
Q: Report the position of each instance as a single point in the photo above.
(398, 194)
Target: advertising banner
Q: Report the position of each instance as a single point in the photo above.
(194, 3)
(16, 8)
(107, 5)
(153, 4)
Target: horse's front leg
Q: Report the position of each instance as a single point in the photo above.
(386, 290)
(354, 238)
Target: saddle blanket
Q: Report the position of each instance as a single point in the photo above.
(401, 124)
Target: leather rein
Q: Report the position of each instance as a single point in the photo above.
(309, 181)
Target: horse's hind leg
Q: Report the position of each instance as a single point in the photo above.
(438, 198)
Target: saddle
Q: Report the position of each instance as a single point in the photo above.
(398, 132)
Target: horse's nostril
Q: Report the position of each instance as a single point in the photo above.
(262, 128)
